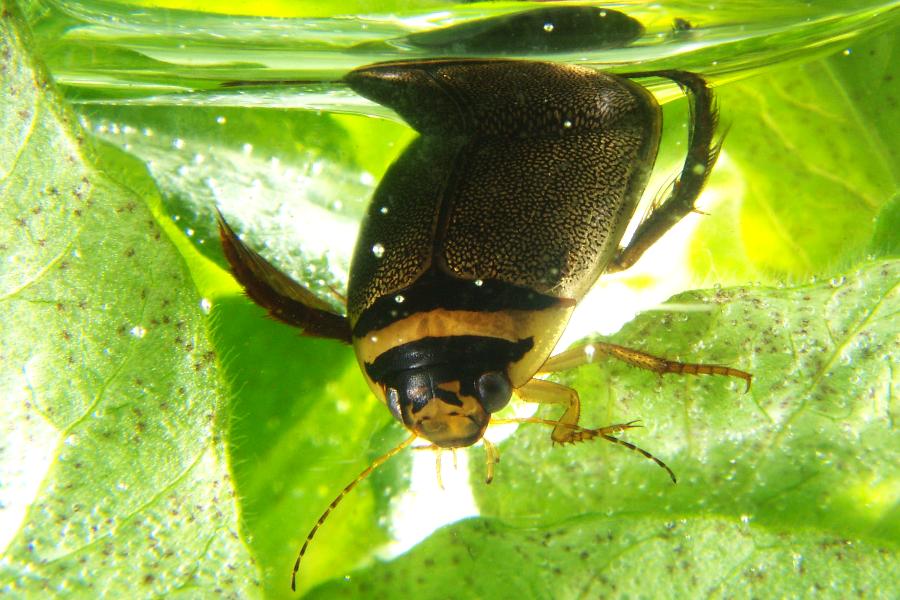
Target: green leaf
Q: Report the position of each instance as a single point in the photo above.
(303, 421)
(114, 479)
(816, 147)
(300, 423)
(791, 488)
(886, 240)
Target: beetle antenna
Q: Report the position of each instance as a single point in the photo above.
(584, 434)
(337, 500)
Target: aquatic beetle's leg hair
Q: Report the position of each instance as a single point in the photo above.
(337, 500)
(281, 296)
(547, 392)
(586, 353)
(701, 156)
(584, 434)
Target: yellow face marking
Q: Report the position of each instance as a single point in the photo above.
(450, 426)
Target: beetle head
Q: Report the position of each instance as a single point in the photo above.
(448, 407)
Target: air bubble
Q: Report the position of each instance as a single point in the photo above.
(548, 27)
(138, 331)
(205, 305)
(567, 124)
(383, 210)
(247, 149)
(378, 250)
(479, 282)
(589, 352)
(220, 120)
(178, 143)
(399, 299)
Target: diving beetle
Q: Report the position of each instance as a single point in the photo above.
(485, 233)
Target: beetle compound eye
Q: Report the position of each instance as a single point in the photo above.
(494, 391)
(393, 402)
(418, 391)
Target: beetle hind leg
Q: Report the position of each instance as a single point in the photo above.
(702, 154)
(283, 298)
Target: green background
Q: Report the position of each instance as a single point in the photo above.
(160, 437)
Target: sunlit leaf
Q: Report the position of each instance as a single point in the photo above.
(115, 479)
(790, 488)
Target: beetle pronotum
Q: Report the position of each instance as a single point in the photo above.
(485, 233)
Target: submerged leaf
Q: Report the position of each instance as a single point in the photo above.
(792, 487)
(816, 149)
(113, 475)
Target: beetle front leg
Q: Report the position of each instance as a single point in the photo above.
(547, 392)
(586, 353)
(701, 156)
(566, 429)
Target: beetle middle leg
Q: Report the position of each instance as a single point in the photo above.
(586, 353)
(701, 156)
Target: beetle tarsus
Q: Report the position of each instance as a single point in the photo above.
(584, 434)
